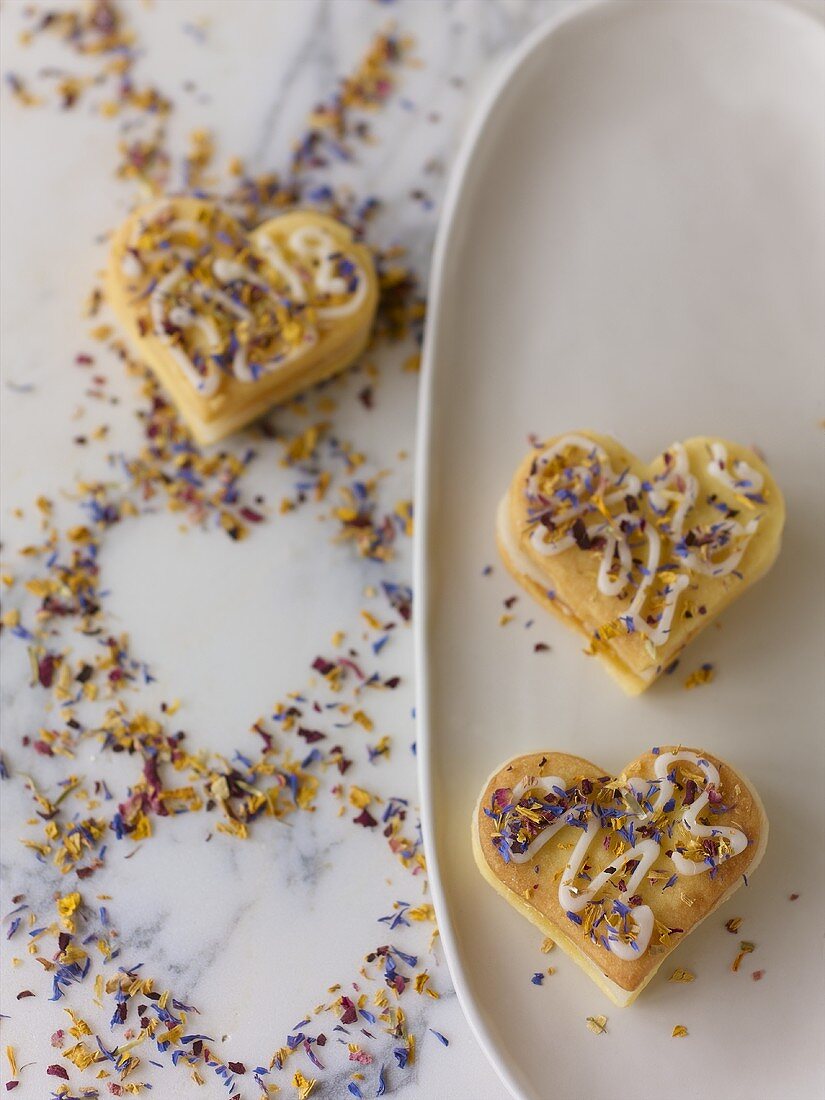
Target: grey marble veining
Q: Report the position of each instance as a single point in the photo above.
(253, 933)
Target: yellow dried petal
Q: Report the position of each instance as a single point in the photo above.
(679, 975)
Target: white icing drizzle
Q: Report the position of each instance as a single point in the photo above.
(319, 249)
(574, 900)
(743, 477)
(229, 271)
(709, 567)
(208, 382)
(735, 837)
(277, 261)
(538, 783)
(675, 487)
(646, 851)
(313, 248)
(131, 265)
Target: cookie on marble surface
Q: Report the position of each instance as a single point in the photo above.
(234, 322)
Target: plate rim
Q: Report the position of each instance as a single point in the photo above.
(814, 11)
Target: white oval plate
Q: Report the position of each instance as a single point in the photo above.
(634, 242)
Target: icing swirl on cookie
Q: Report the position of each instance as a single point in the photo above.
(647, 554)
(225, 305)
(632, 819)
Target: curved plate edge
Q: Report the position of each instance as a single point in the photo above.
(514, 1082)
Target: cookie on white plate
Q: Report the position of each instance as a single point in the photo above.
(618, 871)
(639, 557)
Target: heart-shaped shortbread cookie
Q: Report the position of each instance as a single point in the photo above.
(231, 322)
(618, 871)
(639, 558)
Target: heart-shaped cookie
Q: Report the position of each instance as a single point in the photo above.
(233, 323)
(639, 558)
(617, 871)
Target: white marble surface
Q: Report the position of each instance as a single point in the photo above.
(253, 933)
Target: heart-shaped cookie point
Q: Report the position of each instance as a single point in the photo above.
(618, 871)
(234, 322)
(639, 558)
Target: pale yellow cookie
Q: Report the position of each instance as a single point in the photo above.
(619, 871)
(234, 322)
(639, 558)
